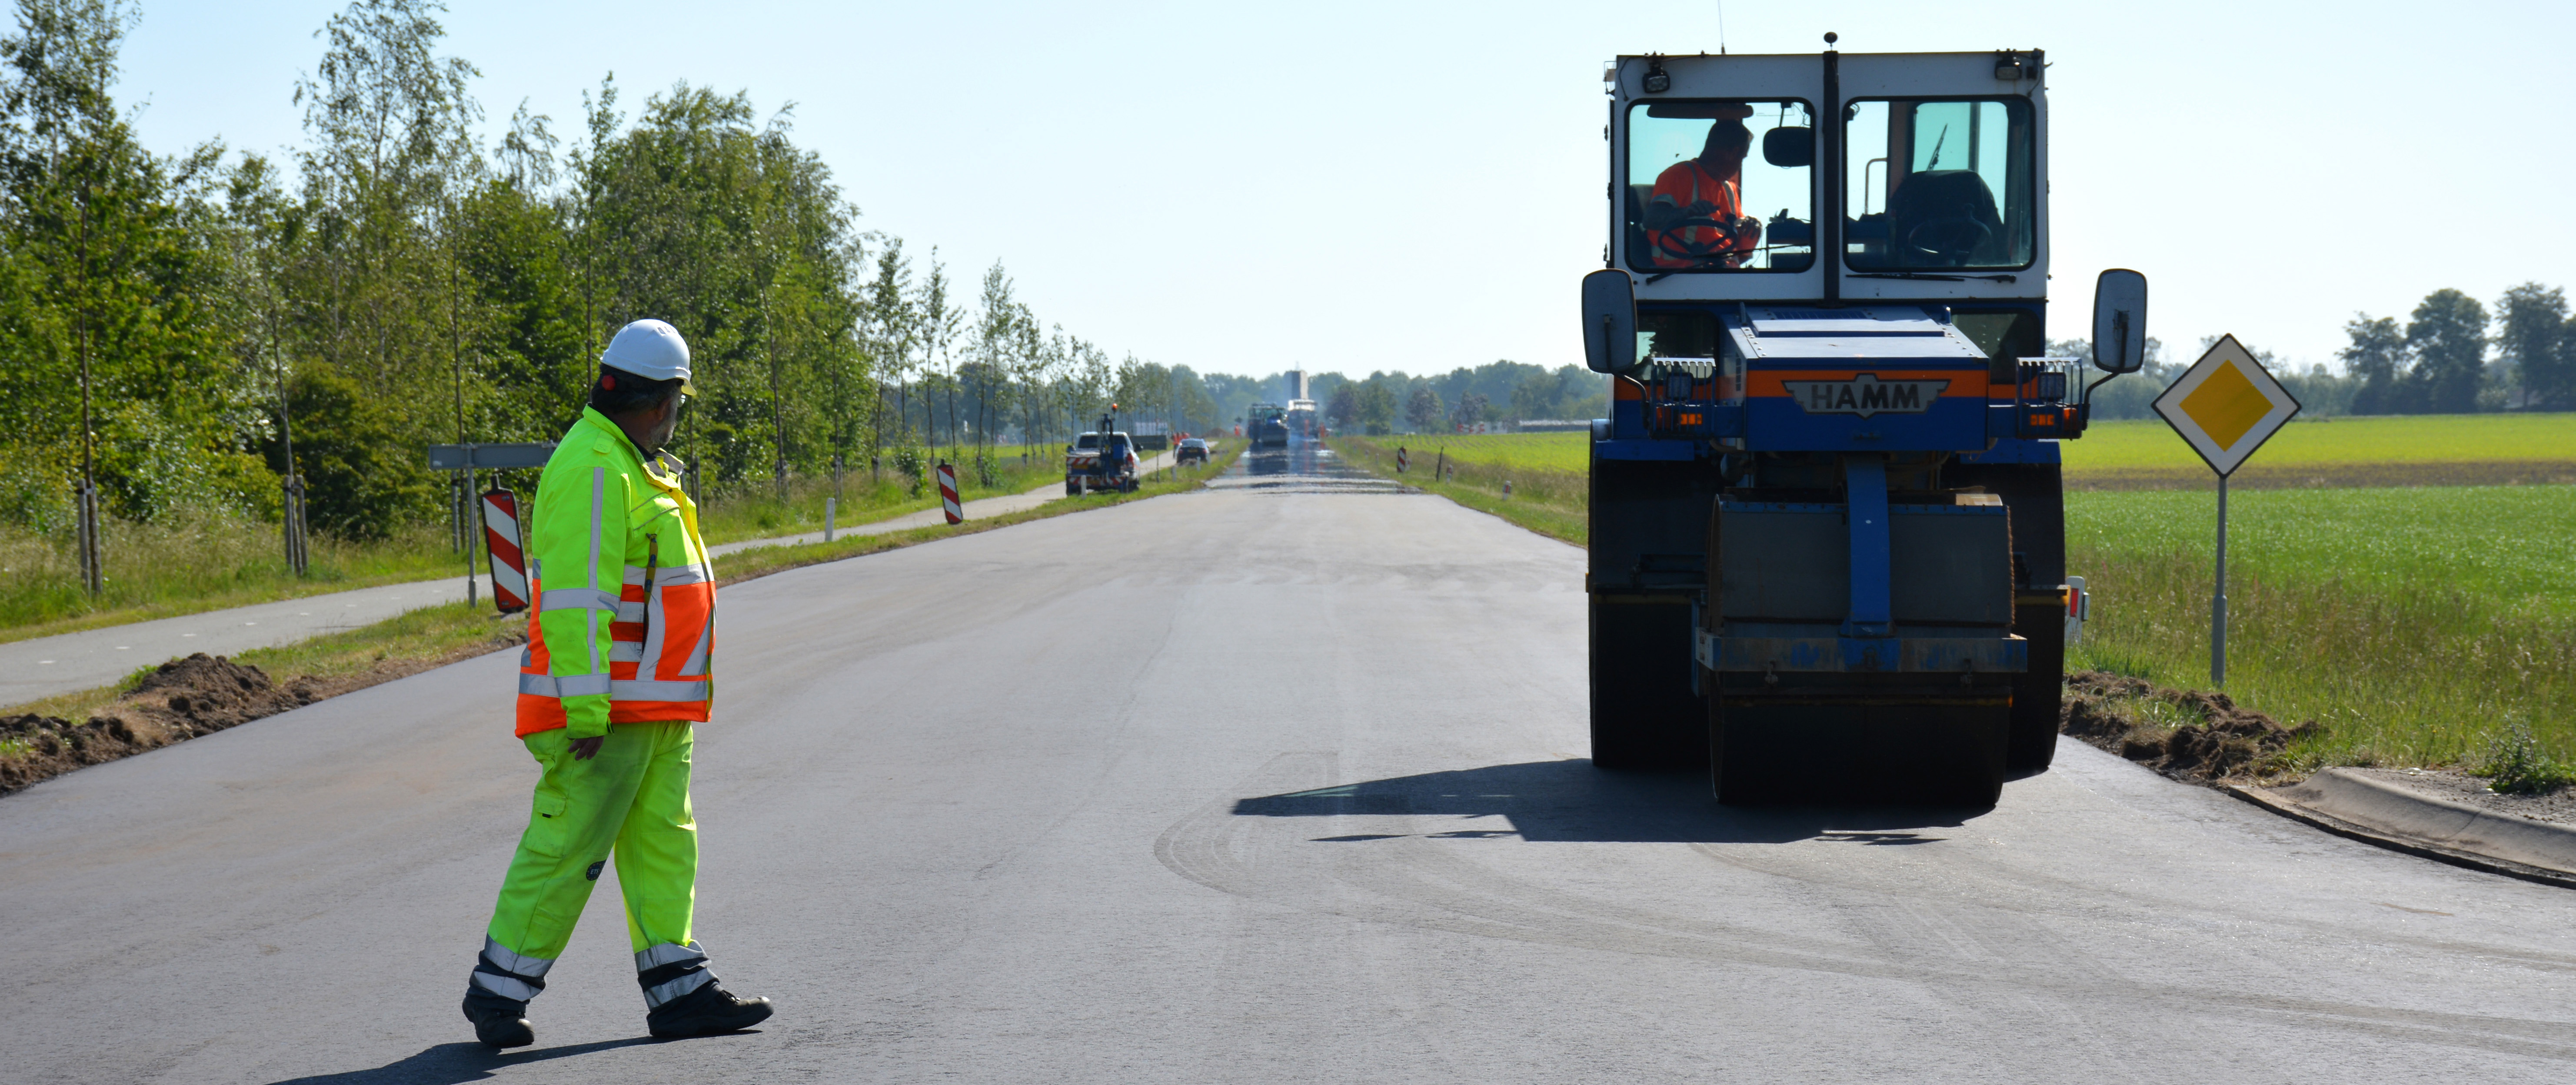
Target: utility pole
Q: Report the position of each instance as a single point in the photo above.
(777, 413)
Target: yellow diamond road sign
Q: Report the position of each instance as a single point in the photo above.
(2226, 406)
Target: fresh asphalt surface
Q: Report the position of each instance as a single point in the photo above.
(1278, 781)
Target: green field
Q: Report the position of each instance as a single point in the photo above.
(2414, 622)
(1540, 451)
(2131, 444)
(2453, 438)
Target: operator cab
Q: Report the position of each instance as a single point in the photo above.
(1929, 183)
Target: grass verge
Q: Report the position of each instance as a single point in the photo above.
(1550, 501)
(198, 695)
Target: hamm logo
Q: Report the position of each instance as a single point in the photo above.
(1865, 395)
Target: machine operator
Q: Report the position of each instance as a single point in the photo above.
(1695, 216)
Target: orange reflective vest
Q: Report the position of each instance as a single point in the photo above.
(1685, 183)
(623, 628)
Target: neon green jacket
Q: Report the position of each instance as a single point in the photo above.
(623, 625)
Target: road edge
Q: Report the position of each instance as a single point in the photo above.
(2390, 839)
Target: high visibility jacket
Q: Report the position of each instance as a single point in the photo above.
(623, 629)
(1686, 183)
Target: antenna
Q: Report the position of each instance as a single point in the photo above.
(1721, 27)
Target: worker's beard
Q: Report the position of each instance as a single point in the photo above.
(661, 433)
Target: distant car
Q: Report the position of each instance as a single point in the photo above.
(1193, 450)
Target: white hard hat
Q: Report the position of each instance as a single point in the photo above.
(650, 349)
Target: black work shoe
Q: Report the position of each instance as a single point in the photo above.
(708, 1010)
(498, 1021)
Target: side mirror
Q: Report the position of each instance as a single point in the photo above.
(1789, 148)
(1609, 321)
(2120, 321)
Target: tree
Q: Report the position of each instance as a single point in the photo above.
(2377, 357)
(2539, 345)
(114, 357)
(1344, 407)
(1423, 409)
(1535, 397)
(1470, 409)
(1376, 407)
(2447, 333)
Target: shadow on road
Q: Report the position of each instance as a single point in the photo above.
(1573, 801)
(453, 1064)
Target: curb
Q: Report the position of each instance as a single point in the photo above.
(2359, 808)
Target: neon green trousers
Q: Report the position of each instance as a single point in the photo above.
(630, 800)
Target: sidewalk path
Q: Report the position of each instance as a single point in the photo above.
(32, 670)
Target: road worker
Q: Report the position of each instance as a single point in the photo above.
(1695, 214)
(615, 675)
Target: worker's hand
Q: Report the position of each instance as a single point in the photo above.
(583, 749)
(1748, 228)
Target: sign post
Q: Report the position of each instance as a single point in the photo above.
(463, 459)
(2225, 406)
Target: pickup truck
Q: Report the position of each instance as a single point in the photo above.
(1096, 461)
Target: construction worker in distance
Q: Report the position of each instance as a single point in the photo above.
(1695, 214)
(616, 673)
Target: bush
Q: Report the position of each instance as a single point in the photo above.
(364, 477)
(2516, 765)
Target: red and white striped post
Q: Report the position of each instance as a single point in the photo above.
(948, 495)
(1402, 461)
(501, 541)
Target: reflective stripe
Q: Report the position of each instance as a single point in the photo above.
(696, 664)
(668, 953)
(598, 500)
(531, 967)
(527, 657)
(628, 611)
(625, 651)
(654, 997)
(635, 574)
(670, 575)
(505, 986)
(578, 598)
(638, 690)
(568, 685)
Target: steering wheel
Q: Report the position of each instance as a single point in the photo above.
(1950, 240)
(1669, 245)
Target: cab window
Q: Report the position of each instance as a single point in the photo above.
(1720, 186)
(1940, 184)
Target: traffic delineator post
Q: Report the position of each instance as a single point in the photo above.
(1402, 461)
(501, 543)
(948, 495)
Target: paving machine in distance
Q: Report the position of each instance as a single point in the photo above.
(1104, 459)
(1301, 419)
(1827, 552)
(1266, 424)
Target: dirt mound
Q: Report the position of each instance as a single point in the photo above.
(180, 700)
(2191, 735)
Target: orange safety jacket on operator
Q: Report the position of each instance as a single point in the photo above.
(1680, 186)
(623, 628)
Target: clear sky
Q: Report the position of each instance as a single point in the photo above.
(1388, 185)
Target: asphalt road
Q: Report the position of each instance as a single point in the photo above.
(1281, 781)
